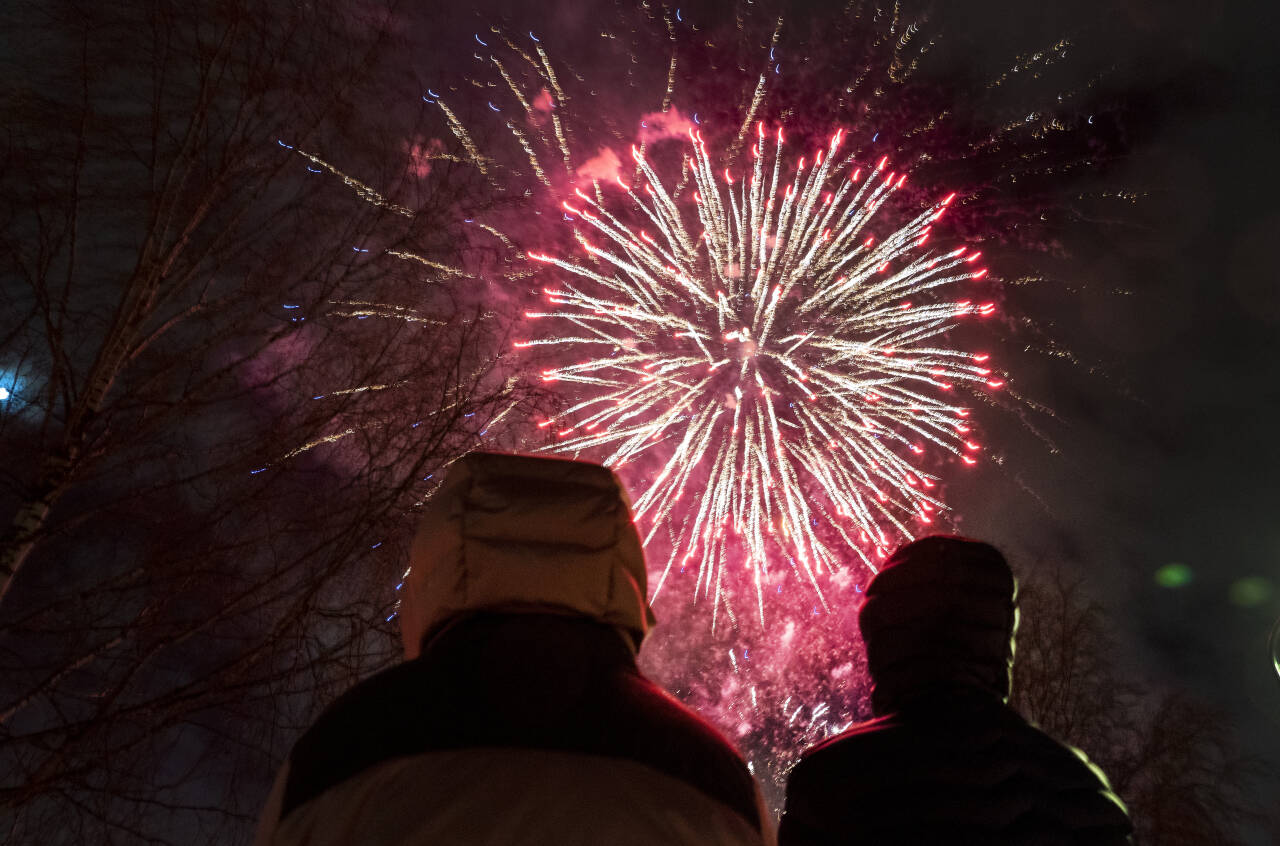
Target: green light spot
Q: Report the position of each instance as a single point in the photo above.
(1250, 591)
(1173, 576)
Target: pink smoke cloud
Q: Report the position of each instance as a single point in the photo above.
(659, 126)
(604, 166)
(654, 126)
(419, 154)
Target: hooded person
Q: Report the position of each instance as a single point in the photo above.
(947, 760)
(519, 715)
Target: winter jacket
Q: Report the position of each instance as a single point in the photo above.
(947, 761)
(520, 716)
(962, 769)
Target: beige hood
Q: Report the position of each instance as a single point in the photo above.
(516, 533)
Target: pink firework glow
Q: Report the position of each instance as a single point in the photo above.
(789, 368)
(761, 330)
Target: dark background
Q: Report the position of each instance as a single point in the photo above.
(1167, 427)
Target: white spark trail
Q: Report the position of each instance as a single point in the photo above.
(783, 364)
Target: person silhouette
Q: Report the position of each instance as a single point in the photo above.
(519, 715)
(946, 760)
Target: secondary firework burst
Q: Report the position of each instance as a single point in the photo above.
(789, 368)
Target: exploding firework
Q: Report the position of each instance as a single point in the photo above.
(787, 364)
(762, 343)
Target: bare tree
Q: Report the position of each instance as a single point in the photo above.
(1173, 760)
(234, 372)
(139, 166)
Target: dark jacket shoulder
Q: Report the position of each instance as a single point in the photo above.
(976, 772)
(519, 681)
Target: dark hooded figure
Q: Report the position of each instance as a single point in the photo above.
(518, 716)
(946, 761)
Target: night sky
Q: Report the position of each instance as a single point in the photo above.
(1168, 452)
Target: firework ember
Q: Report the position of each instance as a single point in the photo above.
(789, 366)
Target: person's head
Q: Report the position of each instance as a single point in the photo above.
(517, 534)
(941, 613)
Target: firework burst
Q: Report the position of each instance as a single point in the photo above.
(787, 365)
(762, 343)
